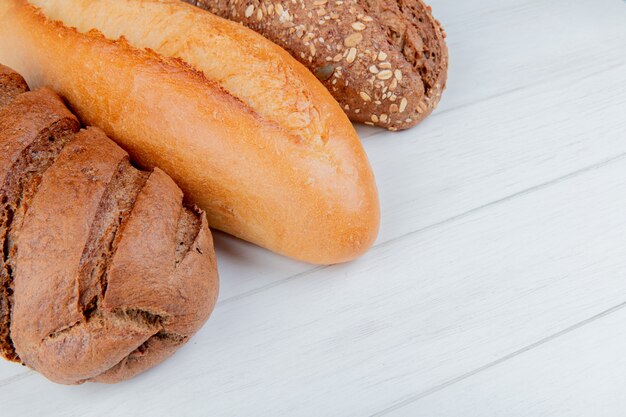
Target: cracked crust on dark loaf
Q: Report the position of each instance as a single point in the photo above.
(105, 271)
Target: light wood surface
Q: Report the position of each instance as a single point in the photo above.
(497, 285)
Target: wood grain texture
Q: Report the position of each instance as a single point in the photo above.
(496, 275)
(577, 373)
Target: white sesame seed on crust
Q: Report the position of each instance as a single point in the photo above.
(249, 10)
(351, 55)
(358, 26)
(403, 104)
(384, 75)
(365, 96)
(353, 39)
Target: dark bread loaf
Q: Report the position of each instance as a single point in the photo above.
(385, 61)
(104, 271)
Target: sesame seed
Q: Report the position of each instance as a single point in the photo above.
(393, 108)
(403, 104)
(393, 85)
(259, 14)
(385, 65)
(367, 19)
(374, 118)
(365, 96)
(383, 118)
(382, 56)
(351, 55)
(279, 8)
(358, 26)
(398, 75)
(337, 57)
(373, 69)
(249, 10)
(384, 75)
(353, 39)
(369, 123)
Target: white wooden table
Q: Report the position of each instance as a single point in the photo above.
(497, 286)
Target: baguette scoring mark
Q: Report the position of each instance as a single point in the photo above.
(321, 31)
(318, 44)
(202, 50)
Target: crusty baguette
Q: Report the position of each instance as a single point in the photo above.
(248, 133)
(385, 61)
(104, 272)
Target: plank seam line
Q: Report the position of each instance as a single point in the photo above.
(495, 363)
(467, 213)
(505, 93)
(16, 378)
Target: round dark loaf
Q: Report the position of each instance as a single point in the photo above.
(104, 271)
(385, 61)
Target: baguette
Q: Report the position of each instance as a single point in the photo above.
(104, 272)
(248, 133)
(385, 61)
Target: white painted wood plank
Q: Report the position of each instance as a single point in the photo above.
(465, 158)
(469, 158)
(410, 315)
(497, 46)
(579, 374)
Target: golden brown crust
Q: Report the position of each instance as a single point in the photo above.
(310, 199)
(385, 61)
